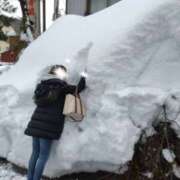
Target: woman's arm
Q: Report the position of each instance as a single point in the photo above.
(72, 88)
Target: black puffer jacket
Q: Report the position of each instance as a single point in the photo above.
(47, 120)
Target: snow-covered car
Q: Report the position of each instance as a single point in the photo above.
(131, 51)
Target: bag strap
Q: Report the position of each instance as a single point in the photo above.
(76, 91)
(75, 95)
(81, 105)
(78, 96)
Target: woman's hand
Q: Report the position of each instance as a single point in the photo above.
(84, 73)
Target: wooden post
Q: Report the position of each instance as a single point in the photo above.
(44, 15)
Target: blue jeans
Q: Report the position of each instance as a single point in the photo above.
(39, 157)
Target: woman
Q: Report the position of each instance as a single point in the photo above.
(47, 121)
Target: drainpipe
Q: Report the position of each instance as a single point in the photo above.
(66, 10)
(88, 7)
(44, 15)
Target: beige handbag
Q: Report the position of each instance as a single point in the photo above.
(73, 107)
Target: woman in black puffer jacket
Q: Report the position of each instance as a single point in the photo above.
(47, 121)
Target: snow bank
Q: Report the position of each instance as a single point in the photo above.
(131, 51)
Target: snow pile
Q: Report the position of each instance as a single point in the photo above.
(133, 65)
(8, 31)
(168, 155)
(6, 9)
(4, 67)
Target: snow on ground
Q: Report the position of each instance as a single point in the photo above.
(168, 155)
(7, 173)
(131, 51)
(4, 67)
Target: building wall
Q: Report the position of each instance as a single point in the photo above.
(97, 5)
(80, 6)
(76, 7)
(111, 2)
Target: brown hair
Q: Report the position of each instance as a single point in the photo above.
(54, 67)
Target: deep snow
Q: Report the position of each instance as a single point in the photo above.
(131, 51)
